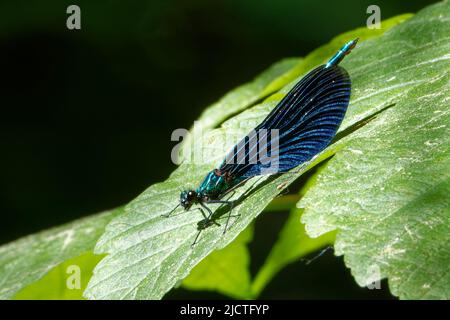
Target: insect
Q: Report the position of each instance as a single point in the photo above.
(302, 124)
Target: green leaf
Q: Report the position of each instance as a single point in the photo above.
(61, 282)
(27, 260)
(149, 254)
(387, 190)
(226, 270)
(293, 242)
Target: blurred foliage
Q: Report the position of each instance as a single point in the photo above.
(25, 261)
(61, 283)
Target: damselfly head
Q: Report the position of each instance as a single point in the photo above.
(188, 198)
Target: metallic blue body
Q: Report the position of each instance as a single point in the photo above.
(214, 185)
(346, 48)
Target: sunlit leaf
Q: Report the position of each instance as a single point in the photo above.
(67, 281)
(387, 190)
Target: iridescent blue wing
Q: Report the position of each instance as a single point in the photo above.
(306, 120)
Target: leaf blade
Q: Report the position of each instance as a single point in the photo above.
(386, 190)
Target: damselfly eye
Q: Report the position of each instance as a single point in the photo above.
(191, 195)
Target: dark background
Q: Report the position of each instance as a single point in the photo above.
(86, 115)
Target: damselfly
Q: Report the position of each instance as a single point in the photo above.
(299, 127)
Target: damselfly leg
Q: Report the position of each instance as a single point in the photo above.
(230, 204)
